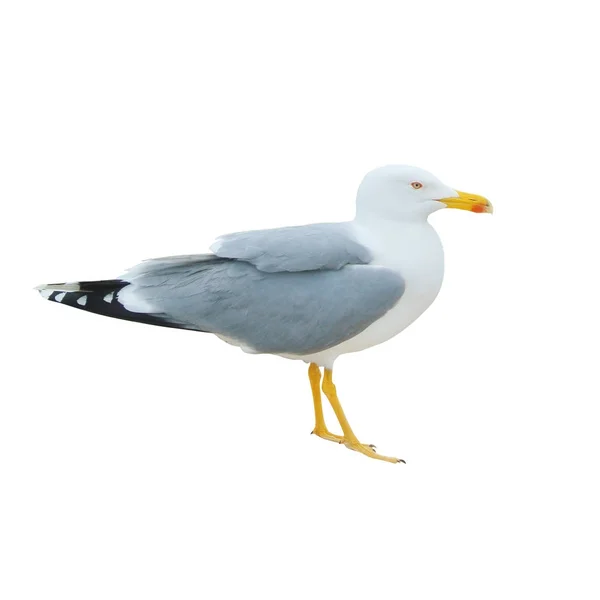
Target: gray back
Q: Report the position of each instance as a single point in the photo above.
(302, 248)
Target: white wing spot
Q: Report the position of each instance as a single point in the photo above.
(109, 297)
(60, 297)
(46, 293)
(82, 301)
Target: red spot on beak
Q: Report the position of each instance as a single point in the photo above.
(478, 208)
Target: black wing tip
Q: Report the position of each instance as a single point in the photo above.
(101, 297)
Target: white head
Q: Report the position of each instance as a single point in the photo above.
(401, 192)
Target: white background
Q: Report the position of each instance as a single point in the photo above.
(141, 462)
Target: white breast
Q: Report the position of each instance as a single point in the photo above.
(413, 250)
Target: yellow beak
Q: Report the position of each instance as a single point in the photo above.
(471, 202)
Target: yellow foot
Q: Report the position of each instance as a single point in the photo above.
(327, 435)
(370, 451)
(338, 439)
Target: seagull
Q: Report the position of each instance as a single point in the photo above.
(308, 292)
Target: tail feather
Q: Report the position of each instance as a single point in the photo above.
(59, 287)
(100, 297)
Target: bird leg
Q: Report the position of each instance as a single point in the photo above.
(349, 440)
(314, 374)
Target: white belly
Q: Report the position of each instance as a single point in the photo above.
(416, 253)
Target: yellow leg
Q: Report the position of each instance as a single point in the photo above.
(314, 374)
(350, 440)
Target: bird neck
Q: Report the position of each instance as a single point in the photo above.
(399, 243)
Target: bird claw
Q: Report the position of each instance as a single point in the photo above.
(366, 449)
(351, 446)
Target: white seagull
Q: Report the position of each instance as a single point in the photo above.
(311, 292)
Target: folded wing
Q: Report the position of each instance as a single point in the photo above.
(294, 291)
(281, 313)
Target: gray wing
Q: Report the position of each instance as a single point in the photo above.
(282, 313)
(302, 248)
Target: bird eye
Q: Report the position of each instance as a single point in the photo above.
(417, 185)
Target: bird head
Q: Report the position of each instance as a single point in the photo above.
(404, 192)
